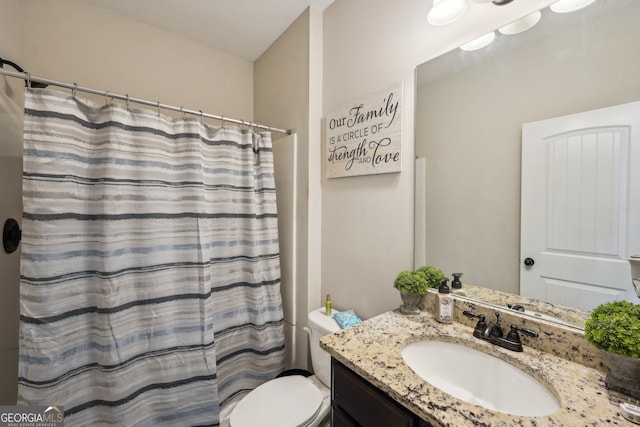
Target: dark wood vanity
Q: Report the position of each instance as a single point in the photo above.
(357, 403)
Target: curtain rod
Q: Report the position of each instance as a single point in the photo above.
(73, 86)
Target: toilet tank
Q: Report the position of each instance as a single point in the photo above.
(320, 325)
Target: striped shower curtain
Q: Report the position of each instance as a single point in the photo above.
(150, 280)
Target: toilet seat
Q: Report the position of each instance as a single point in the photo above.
(292, 401)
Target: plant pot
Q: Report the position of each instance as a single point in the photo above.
(623, 375)
(410, 303)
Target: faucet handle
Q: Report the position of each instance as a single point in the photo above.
(515, 338)
(472, 314)
(528, 332)
(513, 335)
(481, 326)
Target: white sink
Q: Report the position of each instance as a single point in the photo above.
(479, 378)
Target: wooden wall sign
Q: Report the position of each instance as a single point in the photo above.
(365, 136)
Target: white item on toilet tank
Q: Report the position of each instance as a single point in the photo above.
(320, 325)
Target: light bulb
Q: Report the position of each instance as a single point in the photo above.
(522, 24)
(566, 6)
(445, 12)
(480, 42)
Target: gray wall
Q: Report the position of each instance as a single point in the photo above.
(367, 221)
(287, 83)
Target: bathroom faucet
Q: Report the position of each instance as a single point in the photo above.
(492, 332)
(493, 329)
(517, 307)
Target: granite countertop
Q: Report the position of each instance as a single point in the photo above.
(373, 350)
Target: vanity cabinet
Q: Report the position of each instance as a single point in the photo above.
(357, 403)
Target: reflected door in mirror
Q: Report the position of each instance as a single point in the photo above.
(580, 206)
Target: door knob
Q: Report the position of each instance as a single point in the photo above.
(529, 262)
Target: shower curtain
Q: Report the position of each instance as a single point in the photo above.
(150, 272)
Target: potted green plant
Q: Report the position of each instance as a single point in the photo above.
(614, 327)
(433, 275)
(413, 285)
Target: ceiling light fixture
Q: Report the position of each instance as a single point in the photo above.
(480, 42)
(566, 6)
(496, 2)
(522, 24)
(445, 12)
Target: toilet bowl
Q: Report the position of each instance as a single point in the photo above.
(292, 400)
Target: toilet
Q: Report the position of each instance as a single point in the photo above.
(292, 400)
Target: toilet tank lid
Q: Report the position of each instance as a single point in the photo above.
(320, 322)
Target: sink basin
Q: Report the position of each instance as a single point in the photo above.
(479, 378)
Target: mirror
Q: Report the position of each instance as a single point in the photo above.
(470, 107)
(540, 310)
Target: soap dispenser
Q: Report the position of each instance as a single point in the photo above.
(444, 303)
(456, 283)
(327, 305)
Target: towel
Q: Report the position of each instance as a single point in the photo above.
(347, 318)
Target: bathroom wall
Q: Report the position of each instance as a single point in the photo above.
(287, 88)
(10, 201)
(71, 41)
(367, 221)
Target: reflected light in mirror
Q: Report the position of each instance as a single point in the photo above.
(522, 24)
(445, 12)
(566, 6)
(480, 42)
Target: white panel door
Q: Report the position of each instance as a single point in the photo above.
(580, 209)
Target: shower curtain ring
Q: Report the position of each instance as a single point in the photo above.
(201, 114)
(222, 126)
(74, 90)
(108, 101)
(158, 105)
(127, 101)
(182, 111)
(28, 79)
